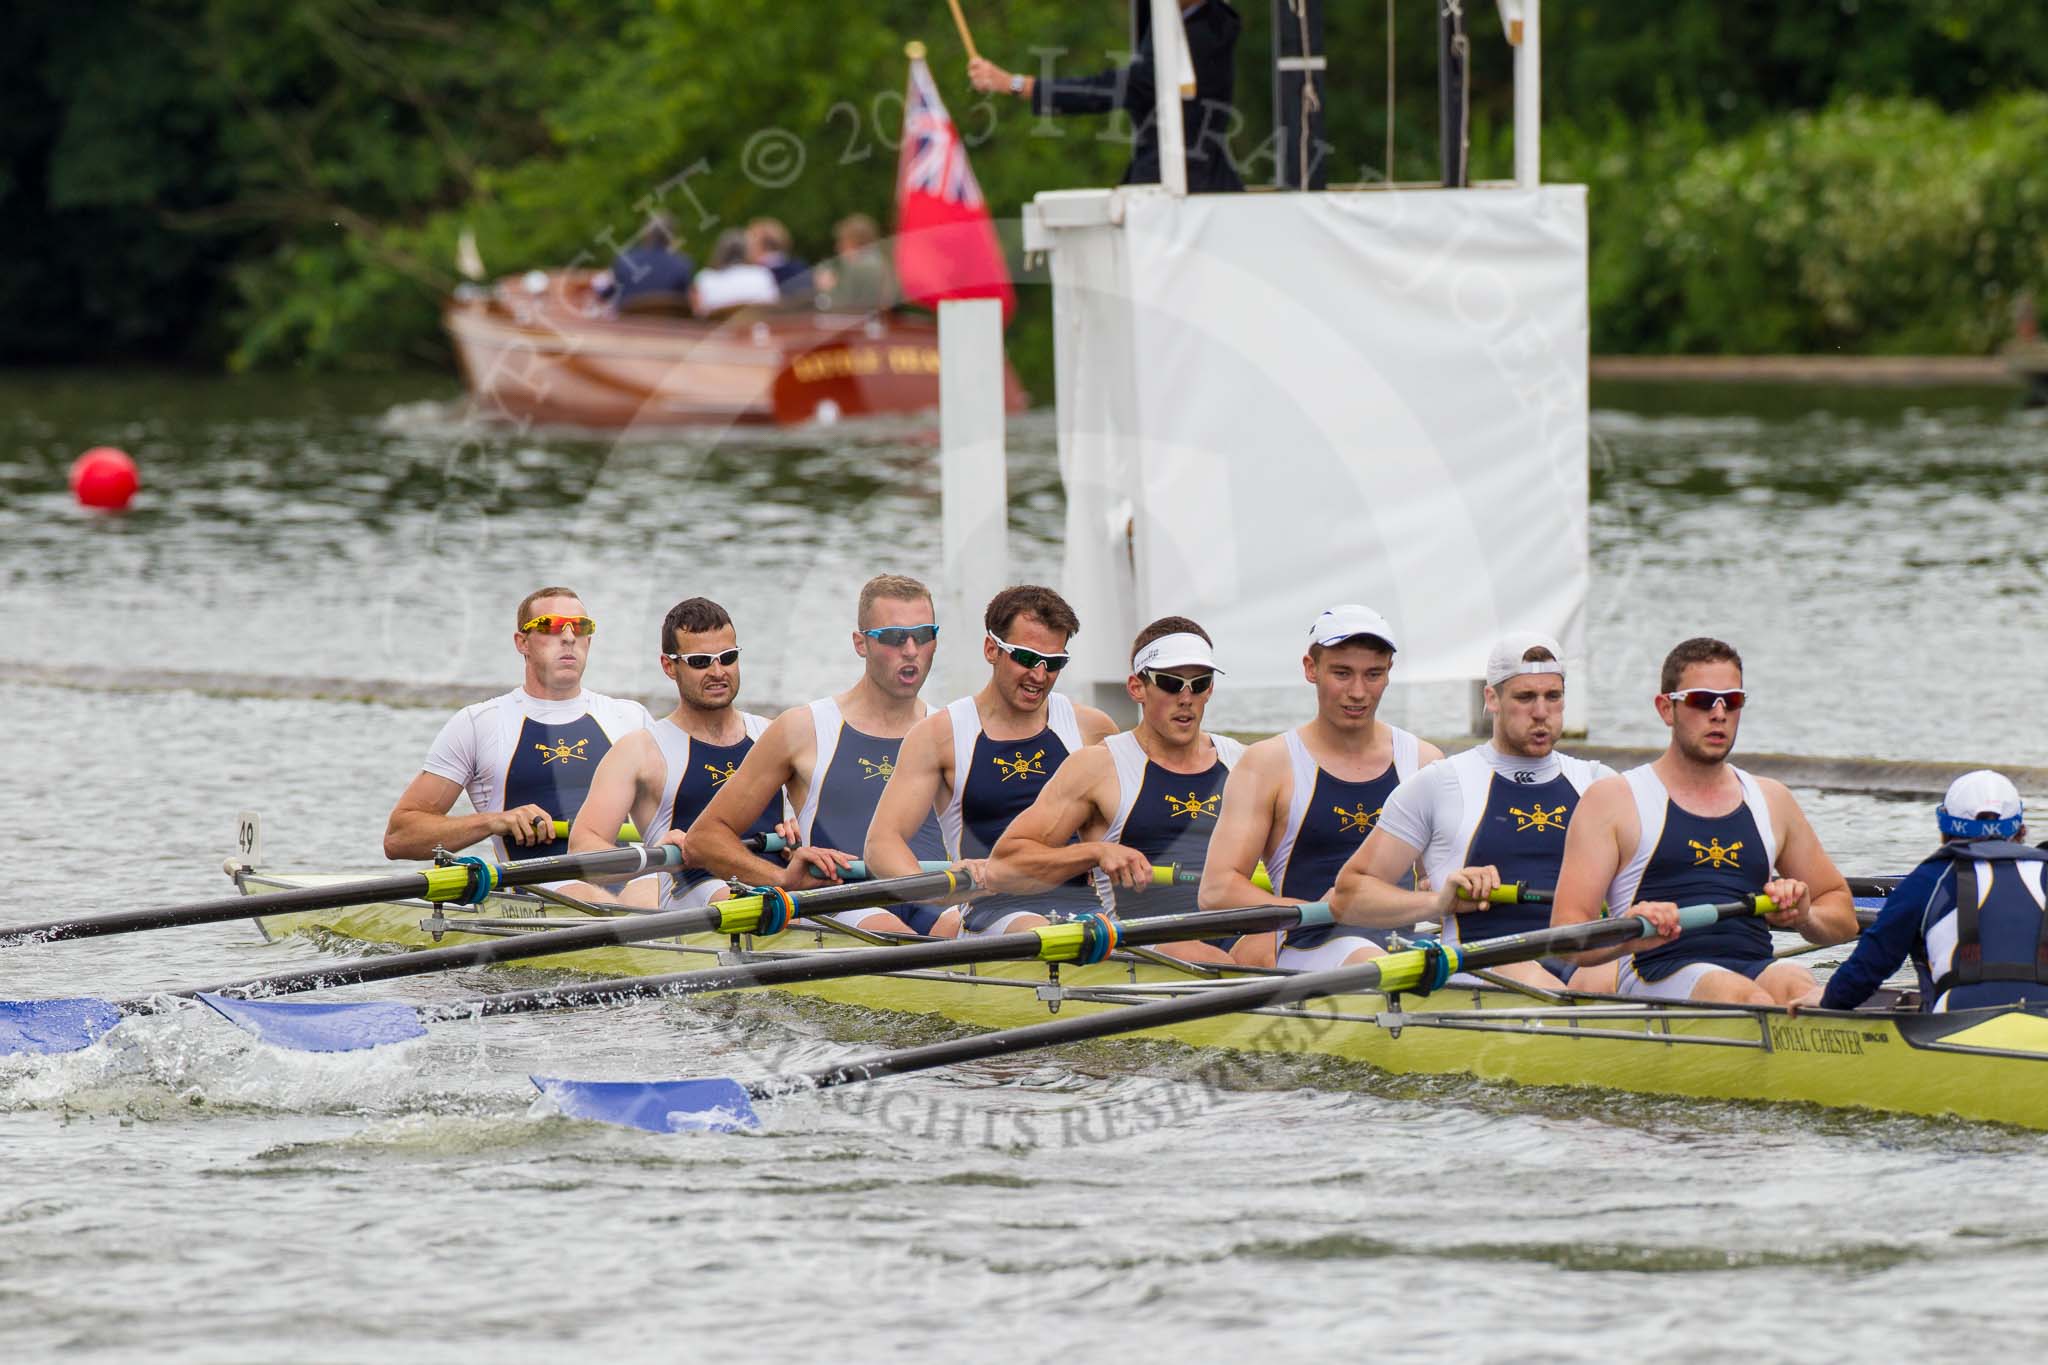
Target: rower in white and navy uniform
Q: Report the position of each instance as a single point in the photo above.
(1691, 828)
(832, 760)
(663, 778)
(1973, 915)
(1493, 815)
(983, 759)
(526, 758)
(1305, 800)
(1145, 796)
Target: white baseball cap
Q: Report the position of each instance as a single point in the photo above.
(1346, 622)
(1980, 805)
(1506, 661)
(1175, 651)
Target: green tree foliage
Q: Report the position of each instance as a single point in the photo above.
(1880, 225)
(284, 181)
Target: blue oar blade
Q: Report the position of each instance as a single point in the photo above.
(719, 1105)
(307, 1026)
(54, 1025)
(1870, 902)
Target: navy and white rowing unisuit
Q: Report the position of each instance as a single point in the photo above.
(847, 779)
(1165, 815)
(696, 770)
(1484, 808)
(518, 749)
(1693, 859)
(994, 781)
(1327, 820)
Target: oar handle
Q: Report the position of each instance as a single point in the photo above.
(1173, 874)
(857, 870)
(1700, 916)
(629, 833)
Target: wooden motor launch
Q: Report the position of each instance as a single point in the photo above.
(544, 348)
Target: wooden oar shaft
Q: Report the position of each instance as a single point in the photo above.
(740, 914)
(435, 883)
(1395, 971)
(830, 966)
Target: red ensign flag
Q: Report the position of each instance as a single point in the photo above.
(946, 245)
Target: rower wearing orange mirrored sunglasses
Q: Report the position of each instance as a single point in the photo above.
(525, 758)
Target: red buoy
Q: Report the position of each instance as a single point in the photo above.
(104, 478)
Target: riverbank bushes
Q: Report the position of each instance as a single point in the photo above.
(231, 181)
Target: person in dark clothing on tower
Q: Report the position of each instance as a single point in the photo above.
(1207, 120)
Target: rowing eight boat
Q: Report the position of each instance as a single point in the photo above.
(1976, 1064)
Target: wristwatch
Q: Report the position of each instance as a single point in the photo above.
(1016, 85)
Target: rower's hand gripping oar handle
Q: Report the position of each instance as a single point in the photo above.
(629, 833)
(1173, 874)
(1514, 893)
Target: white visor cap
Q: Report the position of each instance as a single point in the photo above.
(1982, 794)
(1346, 622)
(1506, 661)
(1176, 651)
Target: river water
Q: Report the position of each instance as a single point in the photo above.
(181, 1192)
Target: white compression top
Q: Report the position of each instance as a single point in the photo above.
(1437, 811)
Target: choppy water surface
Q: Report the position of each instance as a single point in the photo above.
(180, 1192)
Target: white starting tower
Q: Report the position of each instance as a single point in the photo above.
(1273, 402)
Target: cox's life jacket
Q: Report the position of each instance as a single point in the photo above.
(1995, 950)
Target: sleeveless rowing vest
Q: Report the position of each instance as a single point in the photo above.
(1690, 859)
(1520, 834)
(993, 782)
(1985, 933)
(846, 781)
(696, 771)
(551, 768)
(1327, 821)
(1166, 816)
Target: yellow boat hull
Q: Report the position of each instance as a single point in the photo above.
(1983, 1065)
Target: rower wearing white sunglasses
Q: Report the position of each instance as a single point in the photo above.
(1145, 796)
(1692, 828)
(662, 777)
